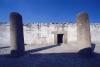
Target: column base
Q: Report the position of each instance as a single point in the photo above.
(17, 53)
(87, 52)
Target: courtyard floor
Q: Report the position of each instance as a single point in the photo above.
(50, 56)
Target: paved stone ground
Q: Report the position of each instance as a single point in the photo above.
(50, 56)
(47, 48)
(71, 47)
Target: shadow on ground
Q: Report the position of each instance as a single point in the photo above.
(42, 48)
(4, 47)
(52, 59)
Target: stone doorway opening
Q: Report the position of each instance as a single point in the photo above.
(59, 38)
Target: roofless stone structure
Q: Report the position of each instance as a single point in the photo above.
(60, 35)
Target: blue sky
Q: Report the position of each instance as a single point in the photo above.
(50, 10)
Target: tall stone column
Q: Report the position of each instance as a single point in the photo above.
(65, 40)
(55, 38)
(65, 36)
(83, 30)
(17, 37)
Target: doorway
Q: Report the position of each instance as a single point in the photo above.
(59, 38)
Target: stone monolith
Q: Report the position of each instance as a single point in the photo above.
(17, 37)
(83, 30)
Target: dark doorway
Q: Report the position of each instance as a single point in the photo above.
(59, 38)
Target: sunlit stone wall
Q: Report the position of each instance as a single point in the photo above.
(43, 33)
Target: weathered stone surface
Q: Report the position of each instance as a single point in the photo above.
(16, 29)
(83, 30)
(65, 38)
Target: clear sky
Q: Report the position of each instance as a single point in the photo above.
(50, 10)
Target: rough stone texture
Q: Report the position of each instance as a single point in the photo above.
(55, 38)
(60, 30)
(83, 30)
(65, 40)
(16, 29)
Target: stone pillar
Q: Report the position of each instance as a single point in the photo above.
(83, 30)
(55, 38)
(17, 37)
(65, 36)
(65, 40)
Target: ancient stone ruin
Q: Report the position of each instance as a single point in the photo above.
(47, 33)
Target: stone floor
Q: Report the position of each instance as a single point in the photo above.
(71, 47)
(50, 56)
